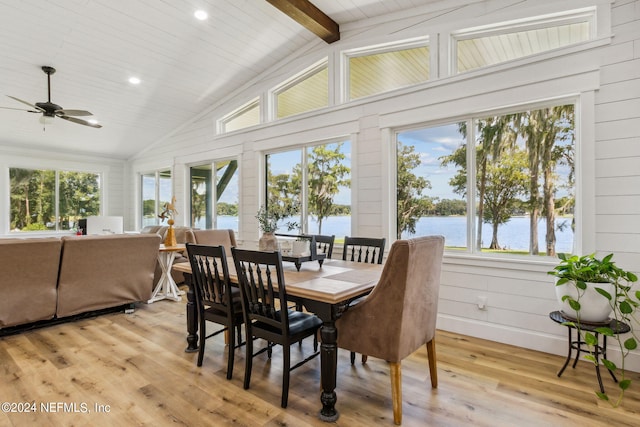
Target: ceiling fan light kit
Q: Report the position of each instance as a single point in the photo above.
(49, 110)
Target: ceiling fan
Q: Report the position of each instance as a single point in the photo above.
(49, 109)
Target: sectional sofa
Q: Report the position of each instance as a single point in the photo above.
(51, 278)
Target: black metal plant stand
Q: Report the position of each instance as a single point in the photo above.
(600, 350)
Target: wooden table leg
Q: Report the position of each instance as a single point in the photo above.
(328, 371)
(328, 356)
(192, 318)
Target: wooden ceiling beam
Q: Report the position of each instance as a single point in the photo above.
(310, 17)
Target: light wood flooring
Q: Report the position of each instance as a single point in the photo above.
(133, 367)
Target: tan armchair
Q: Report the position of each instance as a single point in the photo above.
(400, 313)
(221, 237)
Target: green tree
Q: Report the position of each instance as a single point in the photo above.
(505, 181)
(78, 195)
(283, 193)
(326, 174)
(449, 207)
(411, 203)
(494, 135)
(20, 180)
(542, 129)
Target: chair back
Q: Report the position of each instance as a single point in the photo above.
(324, 244)
(400, 314)
(210, 277)
(262, 287)
(213, 237)
(363, 249)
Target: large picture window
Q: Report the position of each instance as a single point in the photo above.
(156, 192)
(214, 195)
(52, 200)
(312, 186)
(522, 185)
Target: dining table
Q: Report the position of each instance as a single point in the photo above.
(325, 290)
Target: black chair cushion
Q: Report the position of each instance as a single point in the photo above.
(298, 322)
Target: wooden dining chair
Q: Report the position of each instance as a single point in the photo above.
(263, 291)
(363, 249)
(399, 315)
(216, 300)
(324, 244)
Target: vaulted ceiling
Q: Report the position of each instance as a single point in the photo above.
(184, 65)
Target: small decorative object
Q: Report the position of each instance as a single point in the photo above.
(301, 247)
(268, 223)
(611, 284)
(169, 212)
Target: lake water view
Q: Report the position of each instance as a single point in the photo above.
(514, 235)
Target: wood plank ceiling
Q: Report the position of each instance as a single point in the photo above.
(185, 65)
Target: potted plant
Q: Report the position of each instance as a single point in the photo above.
(268, 224)
(586, 281)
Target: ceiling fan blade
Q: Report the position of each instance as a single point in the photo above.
(20, 109)
(26, 103)
(80, 121)
(74, 112)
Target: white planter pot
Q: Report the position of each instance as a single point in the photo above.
(594, 308)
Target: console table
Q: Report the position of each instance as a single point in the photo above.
(579, 345)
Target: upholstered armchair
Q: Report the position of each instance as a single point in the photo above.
(399, 315)
(213, 237)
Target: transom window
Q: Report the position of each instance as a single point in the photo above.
(243, 117)
(52, 200)
(380, 70)
(480, 48)
(308, 92)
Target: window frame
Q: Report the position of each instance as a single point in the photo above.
(238, 112)
(580, 188)
(214, 202)
(157, 205)
(292, 82)
(302, 148)
(406, 44)
(57, 171)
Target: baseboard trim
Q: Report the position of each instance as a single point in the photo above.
(546, 343)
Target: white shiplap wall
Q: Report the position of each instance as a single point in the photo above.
(603, 77)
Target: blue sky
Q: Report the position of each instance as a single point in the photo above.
(432, 144)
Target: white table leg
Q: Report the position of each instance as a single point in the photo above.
(166, 287)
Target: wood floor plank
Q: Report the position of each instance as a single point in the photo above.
(136, 364)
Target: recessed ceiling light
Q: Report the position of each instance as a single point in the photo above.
(201, 15)
(134, 80)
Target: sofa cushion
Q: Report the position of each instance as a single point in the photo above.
(99, 272)
(29, 271)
